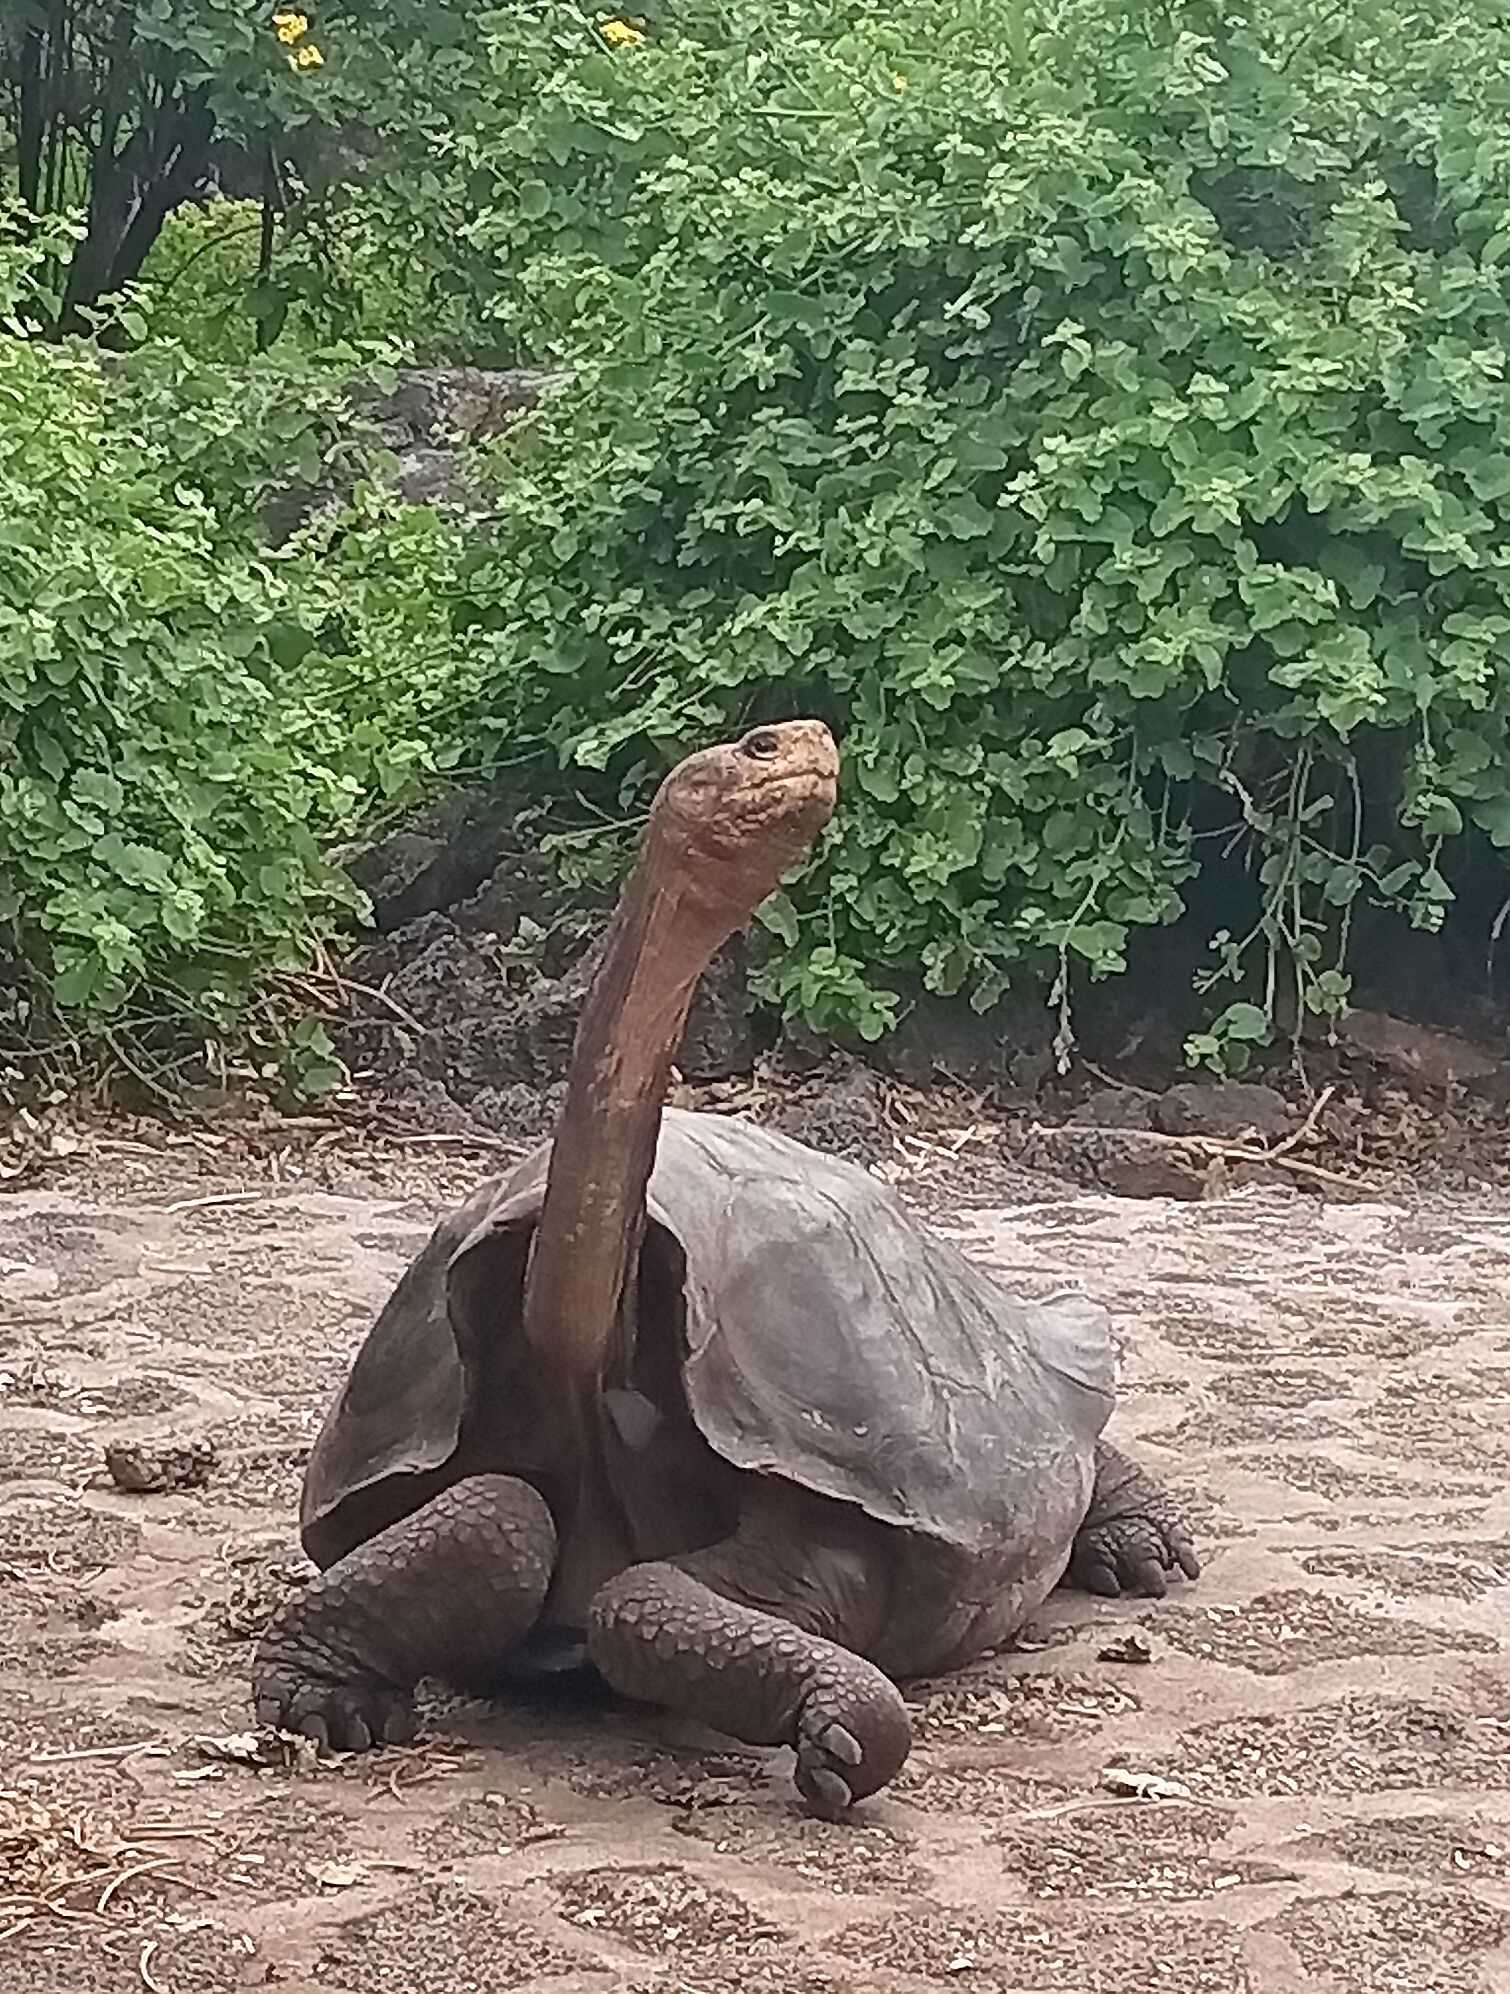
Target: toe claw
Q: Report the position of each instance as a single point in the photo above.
(354, 1734)
(825, 1792)
(399, 1726)
(842, 1745)
(1101, 1579)
(1133, 1553)
(1148, 1576)
(352, 1716)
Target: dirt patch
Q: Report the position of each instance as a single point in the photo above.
(262, 1463)
(849, 1859)
(1128, 1850)
(594, 1846)
(1394, 1941)
(41, 1385)
(208, 1958)
(752, 1976)
(288, 1844)
(1436, 1848)
(1358, 1745)
(1266, 1385)
(980, 1792)
(663, 1910)
(1280, 1632)
(1318, 1474)
(45, 1621)
(438, 1940)
(1008, 1954)
(1219, 1429)
(37, 1454)
(1449, 1570)
(64, 1537)
(492, 1824)
(990, 1702)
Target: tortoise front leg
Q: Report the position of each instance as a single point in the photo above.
(663, 1634)
(443, 1593)
(1133, 1532)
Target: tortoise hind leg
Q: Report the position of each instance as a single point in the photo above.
(1132, 1533)
(444, 1593)
(687, 1634)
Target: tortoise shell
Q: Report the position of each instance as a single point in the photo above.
(823, 1336)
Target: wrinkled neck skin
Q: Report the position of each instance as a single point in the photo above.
(667, 929)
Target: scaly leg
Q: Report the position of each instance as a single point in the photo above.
(444, 1593)
(684, 1635)
(1132, 1534)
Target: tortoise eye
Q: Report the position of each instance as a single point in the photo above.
(763, 744)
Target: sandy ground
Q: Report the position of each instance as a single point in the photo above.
(1331, 1705)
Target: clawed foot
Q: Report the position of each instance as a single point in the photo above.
(843, 1759)
(444, 1593)
(345, 1716)
(1133, 1554)
(828, 1758)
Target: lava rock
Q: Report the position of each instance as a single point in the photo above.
(1226, 1108)
(157, 1467)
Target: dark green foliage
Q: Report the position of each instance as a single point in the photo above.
(1099, 416)
(186, 719)
(1083, 415)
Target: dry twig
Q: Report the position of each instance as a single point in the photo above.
(1202, 1145)
(49, 1859)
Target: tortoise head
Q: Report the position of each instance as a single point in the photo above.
(733, 819)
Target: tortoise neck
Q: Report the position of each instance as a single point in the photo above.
(588, 1238)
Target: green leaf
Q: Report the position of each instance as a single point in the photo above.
(1246, 1022)
(138, 865)
(780, 916)
(1492, 815)
(94, 786)
(964, 517)
(315, 1078)
(1438, 816)
(73, 986)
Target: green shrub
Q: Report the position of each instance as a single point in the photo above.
(170, 773)
(1101, 416)
(1097, 415)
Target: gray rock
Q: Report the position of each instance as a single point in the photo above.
(943, 1038)
(429, 420)
(1116, 1108)
(437, 860)
(1226, 1108)
(438, 407)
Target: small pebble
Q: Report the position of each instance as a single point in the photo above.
(1134, 1647)
(145, 1467)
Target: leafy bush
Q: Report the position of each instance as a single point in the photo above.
(182, 718)
(1099, 417)
(123, 111)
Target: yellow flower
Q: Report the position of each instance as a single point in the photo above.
(898, 81)
(619, 34)
(309, 57)
(290, 27)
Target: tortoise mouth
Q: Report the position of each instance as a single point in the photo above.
(817, 779)
(781, 809)
(801, 785)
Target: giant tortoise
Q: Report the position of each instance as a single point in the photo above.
(697, 1403)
